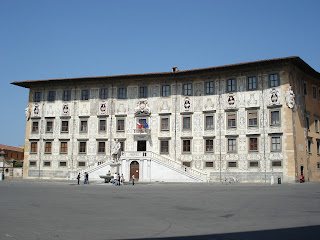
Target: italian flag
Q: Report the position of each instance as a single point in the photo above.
(139, 125)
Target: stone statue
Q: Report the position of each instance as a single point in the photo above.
(27, 113)
(290, 98)
(116, 150)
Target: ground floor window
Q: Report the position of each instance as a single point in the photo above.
(187, 164)
(209, 164)
(232, 164)
(81, 164)
(47, 164)
(62, 164)
(32, 163)
(253, 164)
(276, 164)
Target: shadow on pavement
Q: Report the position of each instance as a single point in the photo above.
(299, 233)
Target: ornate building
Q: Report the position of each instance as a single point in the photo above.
(250, 121)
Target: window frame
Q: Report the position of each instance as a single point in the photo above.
(253, 141)
(119, 125)
(209, 142)
(187, 89)
(231, 85)
(51, 98)
(82, 147)
(314, 92)
(233, 145)
(65, 147)
(61, 165)
(209, 126)
(186, 125)
(63, 126)
(101, 149)
(249, 118)
(103, 126)
(166, 126)
(66, 95)
(33, 147)
(49, 121)
(271, 119)
(122, 93)
(279, 145)
(209, 163)
(274, 82)
(84, 94)
(209, 90)
(230, 164)
(250, 162)
(143, 92)
(254, 82)
(46, 163)
(231, 120)
(162, 147)
(35, 129)
(165, 93)
(37, 97)
(48, 147)
(186, 148)
(103, 93)
(83, 126)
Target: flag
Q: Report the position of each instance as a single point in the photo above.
(139, 125)
(145, 123)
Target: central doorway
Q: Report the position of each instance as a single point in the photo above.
(134, 170)
(141, 145)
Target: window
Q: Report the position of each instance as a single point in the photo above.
(120, 125)
(186, 123)
(37, 96)
(232, 120)
(276, 164)
(65, 126)
(102, 125)
(209, 145)
(143, 92)
(165, 91)
(143, 123)
(253, 144)
(35, 127)
(48, 147)
(122, 145)
(187, 164)
(103, 93)
(253, 119)
(209, 164)
(253, 164)
(187, 89)
(305, 89)
(81, 164)
(85, 94)
(34, 147)
(47, 164)
(274, 80)
(232, 145)
(164, 147)
(49, 127)
(122, 93)
(66, 95)
(186, 146)
(276, 143)
(82, 147)
(209, 122)
(316, 125)
(32, 163)
(318, 146)
(318, 165)
(252, 83)
(209, 88)
(231, 85)
(232, 164)
(52, 96)
(309, 146)
(64, 147)
(275, 117)
(308, 123)
(62, 164)
(164, 124)
(84, 126)
(314, 92)
(102, 147)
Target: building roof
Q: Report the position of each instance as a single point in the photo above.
(294, 59)
(10, 148)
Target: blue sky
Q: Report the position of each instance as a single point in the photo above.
(75, 38)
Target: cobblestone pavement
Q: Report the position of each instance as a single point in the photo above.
(39, 209)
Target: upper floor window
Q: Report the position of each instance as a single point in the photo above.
(64, 147)
(84, 126)
(316, 124)
(34, 147)
(101, 147)
(209, 145)
(164, 124)
(276, 143)
(66, 95)
(49, 126)
(35, 127)
(120, 125)
(253, 119)
(253, 144)
(314, 92)
(274, 80)
(305, 89)
(122, 93)
(186, 123)
(308, 123)
(164, 147)
(275, 117)
(186, 146)
(48, 147)
(209, 122)
(232, 120)
(103, 93)
(232, 145)
(82, 147)
(187, 89)
(209, 88)
(309, 146)
(102, 126)
(231, 85)
(85, 94)
(252, 83)
(64, 126)
(143, 92)
(165, 91)
(37, 96)
(51, 96)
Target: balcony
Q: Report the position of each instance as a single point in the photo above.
(142, 131)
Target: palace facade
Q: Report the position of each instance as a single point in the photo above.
(251, 121)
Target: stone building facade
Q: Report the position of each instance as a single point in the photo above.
(249, 121)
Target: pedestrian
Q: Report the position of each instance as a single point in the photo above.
(119, 179)
(87, 178)
(133, 179)
(122, 179)
(78, 177)
(115, 178)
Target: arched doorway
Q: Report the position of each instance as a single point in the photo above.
(134, 170)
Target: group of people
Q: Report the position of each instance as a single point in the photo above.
(86, 178)
(118, 179)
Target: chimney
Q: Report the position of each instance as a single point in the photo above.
(175, 69)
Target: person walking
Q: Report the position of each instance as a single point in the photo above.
(119, 179)
(133, 179)
(87, 178)
(78, 177)
(122, 179)
(115, 179)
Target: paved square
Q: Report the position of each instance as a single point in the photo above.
(33, 210)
